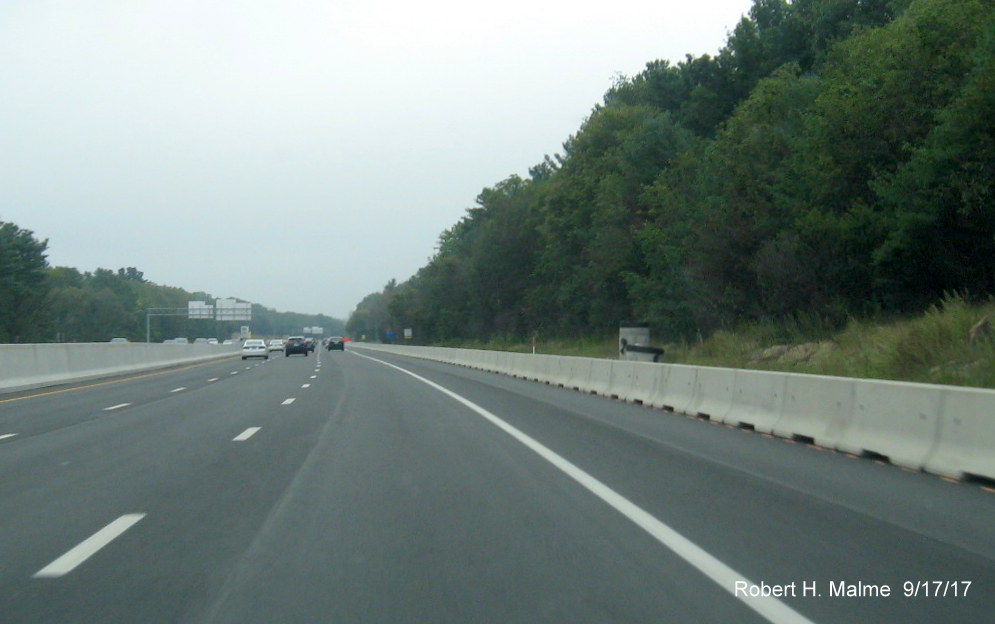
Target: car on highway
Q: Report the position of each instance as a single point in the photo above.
(310, 343)
(336, 343)
(255, 347)
(275, 345)
(295, 344)
(119, 341)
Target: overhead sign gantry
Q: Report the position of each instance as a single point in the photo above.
(222, 310)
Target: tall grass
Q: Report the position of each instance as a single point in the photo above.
(934, 347)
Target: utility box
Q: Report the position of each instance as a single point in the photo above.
(634, 343)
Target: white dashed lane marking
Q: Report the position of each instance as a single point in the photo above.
(245, 435)
(289, 401)
(114, 407)
(89, 547)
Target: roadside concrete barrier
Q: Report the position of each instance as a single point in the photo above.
(621, 379)
(967, 428)
(636, 381)
(713, 394)
(942, 429)
(28, 366)
(816, 408)
(758, 400)
(676, 390)
(899, 421)
(600, 381)
(578, 372)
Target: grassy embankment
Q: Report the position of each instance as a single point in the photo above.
(935, 347)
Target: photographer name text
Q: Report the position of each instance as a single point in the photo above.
(850, 589)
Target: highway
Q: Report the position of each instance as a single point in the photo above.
(359, 486)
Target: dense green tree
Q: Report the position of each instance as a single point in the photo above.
(22, 280)
(834, 157)
(941, 225)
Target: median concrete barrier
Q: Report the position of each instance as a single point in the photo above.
(28, 366)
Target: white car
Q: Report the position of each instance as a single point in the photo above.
(276, 345)
(254, 347)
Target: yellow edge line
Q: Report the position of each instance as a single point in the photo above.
(105, 383)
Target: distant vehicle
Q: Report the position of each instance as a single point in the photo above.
(200, 341)
(295, 344)
(310, 343)
(212, 341)
(227, 342)
(336, 343)
(276, 345)
(119, 341)
(167, 341)
(181, 341)
(255, 347)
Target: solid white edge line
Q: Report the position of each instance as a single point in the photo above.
(88, 547)
(118, 406)
(245, 435)
(7, 435)
(181, 389)
(725, 577)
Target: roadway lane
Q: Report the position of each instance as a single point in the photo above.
(375, 497)
(169, 455)
(38, 411)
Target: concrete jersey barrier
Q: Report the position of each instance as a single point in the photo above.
(28, 366)
(941, 429)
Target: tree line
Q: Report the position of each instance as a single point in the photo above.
(39, 303)
(835, 158)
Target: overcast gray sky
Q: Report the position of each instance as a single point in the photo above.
(298, 153)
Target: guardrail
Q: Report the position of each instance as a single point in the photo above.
(945, 430)
(27, 366)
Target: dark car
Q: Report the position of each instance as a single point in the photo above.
(310, 343)
(336, 342)
(295, 344)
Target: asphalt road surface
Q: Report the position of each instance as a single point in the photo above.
(358, 486)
